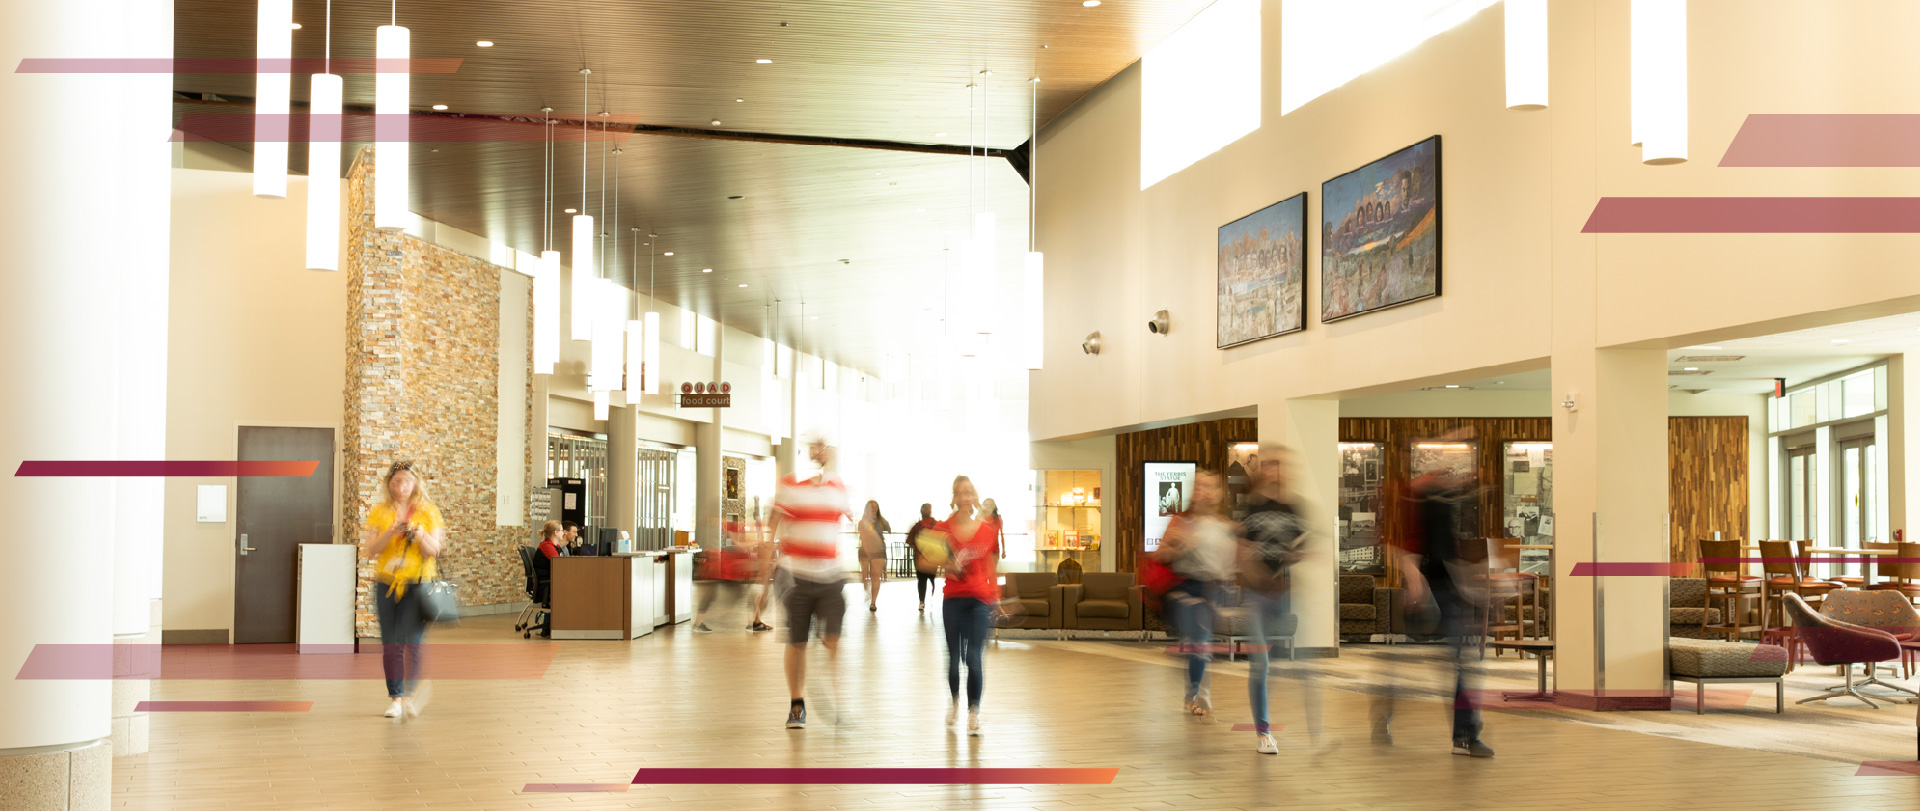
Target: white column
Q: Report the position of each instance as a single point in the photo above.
(1309, 431)
(71, 400)
(707, 445)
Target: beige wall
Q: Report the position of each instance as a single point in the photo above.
(254, 339)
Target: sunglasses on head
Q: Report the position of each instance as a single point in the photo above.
(399, 466)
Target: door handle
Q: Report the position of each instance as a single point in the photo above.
(244, 548)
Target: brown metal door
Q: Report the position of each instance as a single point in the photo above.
(273, 516)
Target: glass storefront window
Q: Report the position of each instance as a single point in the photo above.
(1361, 484)
(1528, 469)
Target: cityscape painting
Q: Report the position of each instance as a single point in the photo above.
(1380, 233)
(1262, 266)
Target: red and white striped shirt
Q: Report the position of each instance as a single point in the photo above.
(810, 511)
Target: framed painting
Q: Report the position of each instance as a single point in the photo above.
(1262, 270)
(1380, 234)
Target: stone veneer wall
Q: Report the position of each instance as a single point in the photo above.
(423, 342)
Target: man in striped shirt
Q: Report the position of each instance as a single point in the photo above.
(807, 515)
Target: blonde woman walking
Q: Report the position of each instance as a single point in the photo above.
(403, 538)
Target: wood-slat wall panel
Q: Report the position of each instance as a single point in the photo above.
(1203, 443)
(1707, 486)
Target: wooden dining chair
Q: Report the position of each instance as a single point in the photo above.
(1902, 572)
(1728, 584)
(1784, 566)
(1508, 593)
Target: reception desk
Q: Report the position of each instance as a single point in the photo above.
(622, 596)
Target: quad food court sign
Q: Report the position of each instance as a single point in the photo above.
(706, 395)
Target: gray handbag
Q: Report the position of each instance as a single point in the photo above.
(438, 601)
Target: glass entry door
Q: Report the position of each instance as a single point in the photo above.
(655, 485)
(1803, 502)
(1857, 488)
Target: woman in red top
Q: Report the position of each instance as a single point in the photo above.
(971, 596)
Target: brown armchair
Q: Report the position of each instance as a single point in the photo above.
(1104, 601)
(1368, 611)
(1031, 600)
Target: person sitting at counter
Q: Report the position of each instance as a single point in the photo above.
(552, 536)
(572, 541)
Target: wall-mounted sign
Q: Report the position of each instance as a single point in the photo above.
(706, 395)
(212, 504)
(1169, 489)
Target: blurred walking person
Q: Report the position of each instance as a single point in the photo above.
(728, 569)
(923, 570)
(1275, 540)
(873, 552)
(1438, 575)
(1200, 546)
(807, 514)
(403, 538)
(971, 596)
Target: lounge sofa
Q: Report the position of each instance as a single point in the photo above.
(1368, 610)
(1104, 601)
(1032, 600)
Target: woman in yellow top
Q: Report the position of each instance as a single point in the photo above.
(404, 536)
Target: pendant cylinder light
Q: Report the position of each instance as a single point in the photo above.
(583, 236)
(636, 350)
(546, 313)
(392, 89)
(1526, 40)
(323, 172)
(602, 404)
(1035, 270)
(1659, 54)
(650, 357)
(272, 96)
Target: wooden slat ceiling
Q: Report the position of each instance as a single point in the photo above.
(891, 71)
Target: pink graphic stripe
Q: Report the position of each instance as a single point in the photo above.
(223, 706)
(569, 788)
(224, 65)
(1631, 569)
(873, 777)
(124, 467)
(1889, 768)
(239, 127)
(1826, 140)
(278, 662)
(1755, 215)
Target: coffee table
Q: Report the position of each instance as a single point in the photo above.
(1541, 649)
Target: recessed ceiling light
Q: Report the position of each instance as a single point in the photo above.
(743, 284)
(715, 122)
(763, 61)
(1691, 369)
(485, 43)
(1090, 3)
(706, 270)
(814, 317)
(921, 210)
(439, 106)
(1093, 3)
(1839, 340)
(737, 101)
(669, 253)
(572, 210)
(296, 26)
(939, 135)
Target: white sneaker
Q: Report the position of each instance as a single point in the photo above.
(973, 723)
(394, 709)
(413, 707)
(1267, 746)
(953, 713)
(1203, 709)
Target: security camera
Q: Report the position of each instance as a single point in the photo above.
(1159, 325)
(1091, 345)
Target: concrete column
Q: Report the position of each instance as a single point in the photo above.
(1903, 444)
(72, 400)
(540, 389)
(707, 438)
(623, 449)
(1309, 430)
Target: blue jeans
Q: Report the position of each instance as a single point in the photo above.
(401, 629)
(1191, 604)
(1265, 615)
(966, 620)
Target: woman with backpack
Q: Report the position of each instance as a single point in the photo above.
(404, 536)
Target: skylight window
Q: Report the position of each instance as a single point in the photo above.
(1327, 43)
(1200, 89)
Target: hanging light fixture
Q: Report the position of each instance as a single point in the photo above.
(609, 318)
(391, 108)
(602, 404)
(583, 236)
(546, 282)
(323, 162)
(650, 357)
(1526, 40)
(636, 333)
(272, 96)
(985, 273)
(1034, 347)
(1659, 78)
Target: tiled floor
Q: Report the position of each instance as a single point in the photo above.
(677, 699)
